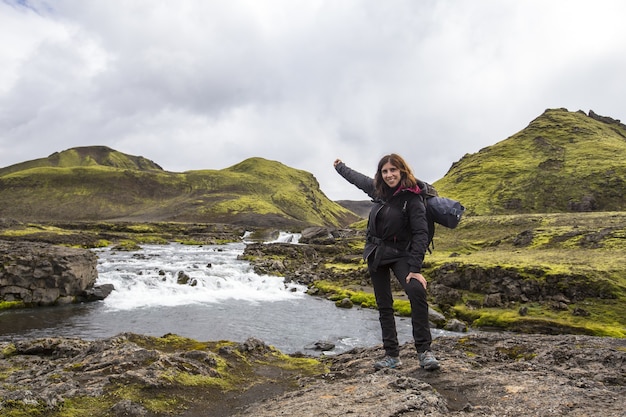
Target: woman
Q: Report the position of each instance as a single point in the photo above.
(397, 239)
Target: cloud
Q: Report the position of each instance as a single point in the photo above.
(205, 84)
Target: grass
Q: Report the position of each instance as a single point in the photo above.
(574, 252)
(557, 162)
(97, 185)
(570, 253)
(360, 298)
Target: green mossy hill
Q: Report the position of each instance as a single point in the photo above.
(99, 184)
(88, 156)
(561, 162)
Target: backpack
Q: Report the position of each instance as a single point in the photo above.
(441, 210)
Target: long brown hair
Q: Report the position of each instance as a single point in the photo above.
(407, 179)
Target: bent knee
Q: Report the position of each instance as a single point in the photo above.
(415, 288)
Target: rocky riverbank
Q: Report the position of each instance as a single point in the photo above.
(41, 274)
(482, 374)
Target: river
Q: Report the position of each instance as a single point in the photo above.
(222, 299)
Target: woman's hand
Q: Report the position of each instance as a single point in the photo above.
(417, 276)
(337, 162)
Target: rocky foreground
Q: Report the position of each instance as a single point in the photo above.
(482, 374)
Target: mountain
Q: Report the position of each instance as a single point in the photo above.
(99, 183)
(359, 207)
(86, 156)
(561, 162)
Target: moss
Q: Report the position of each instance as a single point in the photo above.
(7, 305)
(12, 408)
(8, 350)
(467, 345)
(191, 380)
(189, 242)
(142, 228)
(360, 298)
(538, 319)
(256, 189)
(101, 243)
(237, 371)
(402, 307)
(84, 406)
(168, 343)
(360, 225)
(550, 157)
(127, 245)
(309, 366)
(343, 266)
(164, 404)
(150, 240)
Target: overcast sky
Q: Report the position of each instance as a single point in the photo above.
(205, 84)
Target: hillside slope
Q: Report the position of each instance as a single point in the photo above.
(99, 183)
(87, 156)
(561, 162)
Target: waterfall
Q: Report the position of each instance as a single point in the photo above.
(176, 274)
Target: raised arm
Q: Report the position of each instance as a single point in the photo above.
(363, 182)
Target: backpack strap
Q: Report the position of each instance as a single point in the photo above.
(431, 224)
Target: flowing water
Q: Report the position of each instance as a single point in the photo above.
(205, 293)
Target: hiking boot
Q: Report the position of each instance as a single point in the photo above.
(428, 361)
(388, 362)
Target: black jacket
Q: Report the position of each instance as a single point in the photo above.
(397, 224)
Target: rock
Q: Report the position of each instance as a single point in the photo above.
(436, 317)
(606, 119)
(454, 325)
(444, 295)
(493, 300)
(344, 303)
(523, 239)
(580, 312)
(253, 344)
(317, 235)
(40, 274)
(182, 278)
(7, 223)
(277, 265)
(559, 306)
(97, 293)
(561, 298)
(482, 374)
(321, 346)
(128, 408)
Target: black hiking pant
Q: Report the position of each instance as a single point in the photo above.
(381, 281)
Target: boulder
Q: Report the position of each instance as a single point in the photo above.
(39, 274)
(317, 235)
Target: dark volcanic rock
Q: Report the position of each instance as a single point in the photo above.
(481, 375)
(43, 274)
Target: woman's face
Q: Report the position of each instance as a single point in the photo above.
(391, 175)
